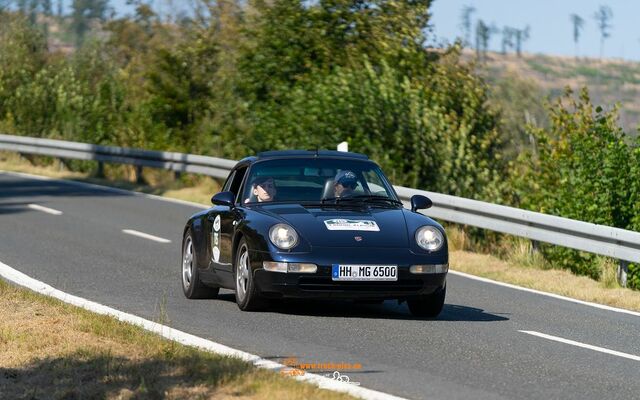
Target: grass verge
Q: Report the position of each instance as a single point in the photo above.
(49, 349)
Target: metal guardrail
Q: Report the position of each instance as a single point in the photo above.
(617, 243)
(178, 162)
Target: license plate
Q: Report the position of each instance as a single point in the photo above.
(364, 272)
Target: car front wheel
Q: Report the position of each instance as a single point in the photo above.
(429, 305)
(247, 295)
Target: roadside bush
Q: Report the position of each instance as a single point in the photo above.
(583, 167)
(78, 98)
(23, 53)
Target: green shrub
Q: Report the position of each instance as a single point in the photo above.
(22, 55)
(583, 167)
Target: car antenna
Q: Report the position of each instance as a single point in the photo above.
(317, 150)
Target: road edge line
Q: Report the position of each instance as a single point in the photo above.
(547, 294)
(12, 275)
(581, 345)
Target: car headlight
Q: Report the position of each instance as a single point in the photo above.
(429, 238)
(283, 236)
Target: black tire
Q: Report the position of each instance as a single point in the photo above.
(192, 287)
(247, 295)
(429, 305)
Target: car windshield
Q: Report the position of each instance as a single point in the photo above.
(317, 180)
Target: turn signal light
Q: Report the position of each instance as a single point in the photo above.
(429, 269)
(284, 267)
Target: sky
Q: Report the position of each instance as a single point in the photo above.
(551, 28)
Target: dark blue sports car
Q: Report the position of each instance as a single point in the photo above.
(314, 224)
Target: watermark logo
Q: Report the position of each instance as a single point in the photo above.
(293, 367)
(341, 378)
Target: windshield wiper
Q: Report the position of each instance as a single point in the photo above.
(363, 198)
(336, 202)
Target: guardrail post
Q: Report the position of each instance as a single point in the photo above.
(100, 170)
(63, 165)
(27, 157)
(535, 247)
(139, 178)
(623, 271)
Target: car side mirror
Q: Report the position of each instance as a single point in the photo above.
(420, 202)
(223, 199)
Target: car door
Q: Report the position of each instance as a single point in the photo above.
(221, 222)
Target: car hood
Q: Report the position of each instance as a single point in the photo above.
(343, 227)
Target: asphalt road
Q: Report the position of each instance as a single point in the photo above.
(474, 350)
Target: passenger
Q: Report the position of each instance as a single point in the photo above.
(345, 183)
(263, 188)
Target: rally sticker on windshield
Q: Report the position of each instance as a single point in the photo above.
(351, 225)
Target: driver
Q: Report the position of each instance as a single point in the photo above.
(345, 183)
(263, 188)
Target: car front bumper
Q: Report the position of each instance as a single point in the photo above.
(321, 285)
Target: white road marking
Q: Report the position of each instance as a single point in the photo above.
(187, 339)
(44, 209)
(146, 236)
(552, 295)
(583, 345)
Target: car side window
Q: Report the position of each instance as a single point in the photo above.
(237, 181)
(227, 184)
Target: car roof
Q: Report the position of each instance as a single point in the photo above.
(283, 154)
(310, 153)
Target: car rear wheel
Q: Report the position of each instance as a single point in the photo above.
(429, 305)
(247, 295)
(191, 285)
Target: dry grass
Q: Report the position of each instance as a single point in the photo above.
(49, 349)
(556, 281)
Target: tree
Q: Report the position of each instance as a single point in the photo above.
(603, 17)
(521, 35)
(578, 24)
(465, 23)
(47, 7)
(83, 12)
(300, 37)
(507, 38)
(47, 10)
(483, 36)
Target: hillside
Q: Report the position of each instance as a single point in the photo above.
(609, 81)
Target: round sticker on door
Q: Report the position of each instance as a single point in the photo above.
(216, 224)
(216, 254)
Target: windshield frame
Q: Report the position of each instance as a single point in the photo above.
(373, 166)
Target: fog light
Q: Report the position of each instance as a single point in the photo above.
(429, 269)
(284, 267)
(274, 266)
